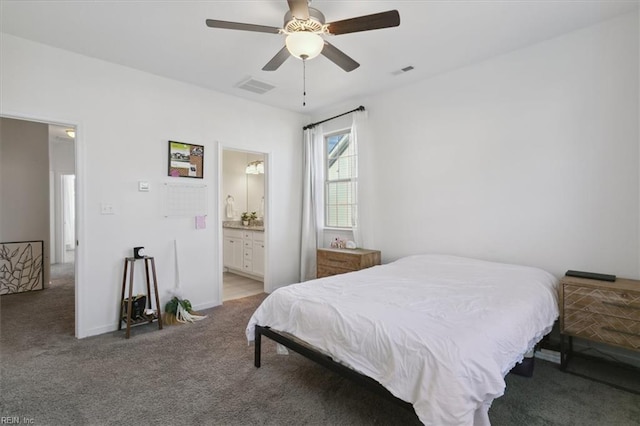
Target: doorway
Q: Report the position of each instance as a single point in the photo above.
(54, 145)
(244, 222)
(62, 194)
(68, 240)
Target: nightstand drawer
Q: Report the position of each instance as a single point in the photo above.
(327, 271)
(617, 303)
(338, 261)
(345, 261)
(603, 328)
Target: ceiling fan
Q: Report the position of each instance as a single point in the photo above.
(304, 26)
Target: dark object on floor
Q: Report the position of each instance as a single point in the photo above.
(138, 304)
(525, 368)
(591, 275)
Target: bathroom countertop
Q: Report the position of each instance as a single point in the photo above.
(239, 225)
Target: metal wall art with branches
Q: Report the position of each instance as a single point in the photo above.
(21, 267)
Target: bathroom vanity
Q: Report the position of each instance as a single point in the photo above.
(243, 249)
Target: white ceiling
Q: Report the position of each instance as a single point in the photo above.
(170, 39)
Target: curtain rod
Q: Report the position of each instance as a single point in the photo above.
(312, 125)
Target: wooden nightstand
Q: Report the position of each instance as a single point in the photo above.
(600, 311)
(339, 261)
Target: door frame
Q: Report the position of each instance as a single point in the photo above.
(79, 264)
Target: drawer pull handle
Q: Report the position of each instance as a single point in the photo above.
(620, 331)
(620, 305)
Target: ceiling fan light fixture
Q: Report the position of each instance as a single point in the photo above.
(304, 44)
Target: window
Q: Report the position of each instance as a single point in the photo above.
(340, 180)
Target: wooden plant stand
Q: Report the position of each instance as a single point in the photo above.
(129, 264)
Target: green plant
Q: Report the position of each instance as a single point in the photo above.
(180, 311)
(172, 305)
(249, 216)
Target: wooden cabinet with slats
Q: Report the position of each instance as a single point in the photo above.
(600, 311)
(338, 261)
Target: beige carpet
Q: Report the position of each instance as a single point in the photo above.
(203, 374)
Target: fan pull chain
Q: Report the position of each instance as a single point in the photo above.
(304, 81)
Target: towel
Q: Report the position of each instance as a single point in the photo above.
(261, 211)
(229, 209)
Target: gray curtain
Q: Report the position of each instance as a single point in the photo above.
(312, 201)
(361, 220)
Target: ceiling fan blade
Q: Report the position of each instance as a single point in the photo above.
(214, 23)
(299, 9)
(338, 57)
(277, 60)
(376, 21)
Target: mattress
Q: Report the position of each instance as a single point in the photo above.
(440, 332)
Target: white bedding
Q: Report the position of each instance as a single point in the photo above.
(440, 332)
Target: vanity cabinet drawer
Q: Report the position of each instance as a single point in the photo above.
(248, 254)
(232, 233)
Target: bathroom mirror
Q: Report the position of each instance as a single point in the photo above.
(255, 187)
(243, 180)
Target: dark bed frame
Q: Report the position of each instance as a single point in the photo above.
(324, 360)
(525, 368)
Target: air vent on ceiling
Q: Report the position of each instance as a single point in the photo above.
(403, 70)
(255, 86)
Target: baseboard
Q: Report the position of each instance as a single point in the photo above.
(113, 327)
(548, 355)
(244, 274)
(206, 305)
(599, 350)
(100, 330)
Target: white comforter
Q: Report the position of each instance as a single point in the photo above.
(440, 332)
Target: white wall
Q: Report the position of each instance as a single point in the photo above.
(531, 157)
(124, 119)
(24, 205)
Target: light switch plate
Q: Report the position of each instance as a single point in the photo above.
(107, 208)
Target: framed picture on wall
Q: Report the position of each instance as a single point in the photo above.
(186, 160)
(21, 266)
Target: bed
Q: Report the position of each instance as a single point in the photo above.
(439, 332)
